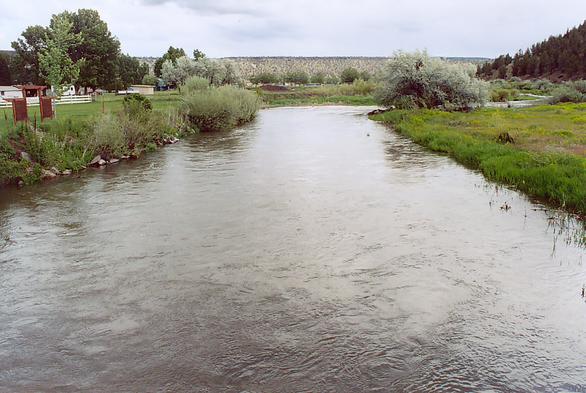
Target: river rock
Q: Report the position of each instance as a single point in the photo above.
(125, 157)
(20, 183)
(95, 160)
(55, 171)
(66, 172)
(114, 161)
(25, 156)
(46, 174)
(102, 162)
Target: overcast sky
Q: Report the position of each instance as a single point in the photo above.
(313, 27)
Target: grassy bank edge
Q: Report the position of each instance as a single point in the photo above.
(558, 179)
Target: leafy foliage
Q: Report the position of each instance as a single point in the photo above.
(417, 81)
(218, 108)
(349, 75)
(55, 64)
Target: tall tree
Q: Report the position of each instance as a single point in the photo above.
(100, 49)
(25, 63)
(5, 76)
(197, 54)
(54, 62)
(172, 55)
(130, 71)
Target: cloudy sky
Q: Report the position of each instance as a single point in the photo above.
(313, 27)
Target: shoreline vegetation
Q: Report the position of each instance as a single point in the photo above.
(34, 151)
(540, 151)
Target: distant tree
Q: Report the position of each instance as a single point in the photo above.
(5, 74)
(130, 71)
(172, 54)
(25, 63)
(99, 49)
(55, 64)
(297, 77)
(264, 78)
(149, 79)
(349, 75)
(319, 78)
(217, 72)
(364, 75)
(197, 55)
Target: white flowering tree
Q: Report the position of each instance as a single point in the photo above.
(415, 80)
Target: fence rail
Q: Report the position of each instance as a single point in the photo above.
(34, 101)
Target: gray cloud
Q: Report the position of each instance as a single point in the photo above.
(313, 27)
(213, 7)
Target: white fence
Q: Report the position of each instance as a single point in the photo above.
(34, 101)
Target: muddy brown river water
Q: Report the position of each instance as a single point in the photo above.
(311, 251)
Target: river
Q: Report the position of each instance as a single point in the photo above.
(310, 251)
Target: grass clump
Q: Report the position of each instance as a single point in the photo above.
(557, 176)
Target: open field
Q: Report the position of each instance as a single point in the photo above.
(546, 159)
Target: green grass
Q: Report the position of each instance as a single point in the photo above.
(547, 160)
(108, 103)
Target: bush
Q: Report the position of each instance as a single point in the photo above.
(566, 93)
(297, 77)
(420, 81)
(349, 75)
(318, 78)
(195, 84)
(264, 78)
(503, 95)
(219, 109)
(135, 104)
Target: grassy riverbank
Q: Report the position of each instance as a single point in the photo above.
(546, 159)
(111, 129)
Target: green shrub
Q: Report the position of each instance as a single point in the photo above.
(349, 75)
(566, 93)
(135, 103)
(297, 77)
(503, 95)
(219, 109)
(195, 84)
(264, 78)
(427, 82)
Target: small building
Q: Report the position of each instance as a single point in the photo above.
(8, 92)
(146, 90)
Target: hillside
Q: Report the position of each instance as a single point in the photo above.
(561, 57)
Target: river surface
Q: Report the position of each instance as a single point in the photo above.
(310, 251)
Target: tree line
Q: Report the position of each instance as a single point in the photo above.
(562, 57)
(76, 48)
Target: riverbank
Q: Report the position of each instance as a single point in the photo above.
(94, 136)
(540, 151)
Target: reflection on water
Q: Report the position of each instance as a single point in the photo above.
(312, 250)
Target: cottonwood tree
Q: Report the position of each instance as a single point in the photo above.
(25, 63)
(55, 64)
(217, 72)
(100, 49)
(5, 75)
